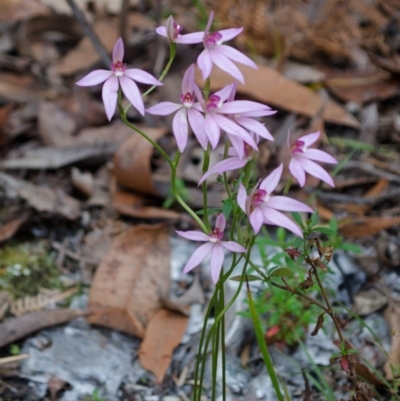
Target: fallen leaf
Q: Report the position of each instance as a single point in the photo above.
(18, 10)
(41, 198)
(163, 334)
(83, 181)
(134, 205)
(14, 329)
(18, 88)
(132, 279)
(132, 167)
(8, 230)
(367, 302)
(272, 88)
(361, 227)
(55, 385)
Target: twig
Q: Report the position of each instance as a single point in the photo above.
(15, 358)
(123, 19)
(105, 58)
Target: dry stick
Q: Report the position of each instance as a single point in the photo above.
(123, 19)
(90, 34)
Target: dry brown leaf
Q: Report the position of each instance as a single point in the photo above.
(392, 316)
(17, 10)
(269, 86)
(361, 227)
(362, 88)
(163, 334)
(8, 230)
(55, 385)
(18, 88)
(15, 328)
(134, 205)
(41, 198)
(84, 181)
(367, 302)
(132, 162)
(132, 279)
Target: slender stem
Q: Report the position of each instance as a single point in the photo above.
(223, 354)
(207, 88)
(139, 131)
(172, 53)
(178, 197)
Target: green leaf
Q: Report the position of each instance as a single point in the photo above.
(227, 208)
(297, 218)
(281, 234)
(279, 271)
(314, 219)
(248, 277)
(347, 246)
(298, 242)
(324, 230)
(333, 225)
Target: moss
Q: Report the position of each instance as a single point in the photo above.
(27, 268)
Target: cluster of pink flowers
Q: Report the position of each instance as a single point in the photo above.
(207, 118)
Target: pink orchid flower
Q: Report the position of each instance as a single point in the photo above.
(214, 247)
(246, 119)
(172, 32)
(216, 118)
(262, 207)
(302, 160)
(221, 55)
(119, 75)
(185, 115)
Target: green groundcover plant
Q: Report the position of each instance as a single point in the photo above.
(252, 202)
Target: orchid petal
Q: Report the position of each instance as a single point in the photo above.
(256, 219)
(270, 183)
(95, 77)
(190, 38)
(235, 55)
(226, 92)
(310, 138)
(258, 113)
(142, 76)
(209, 22)
(110, 96)
(275, 218)
(238, 145)
(316, 170)
(198, 256)
(242, 106)
(132, 93)
(297, 171)
(318, 155)
(199, 96)
(242, 197)
(230, 127)
(228, 34)
(233, 246)
(118, 51)
(216, 262)
(164, 108)
(212, 129)
(196, 121)
(255, 126)
(204, 62)
(162, 30)
(193, 235)
(188, 80)
(287, 204)
(220, 223)
(180, 128)
(225, 64)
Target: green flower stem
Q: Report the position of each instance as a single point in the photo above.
(154, 143)
(223, 354)
(172, 53)
(263, 346)
(247, 174)
(207, 85)
(206, 164)
(174, 166)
